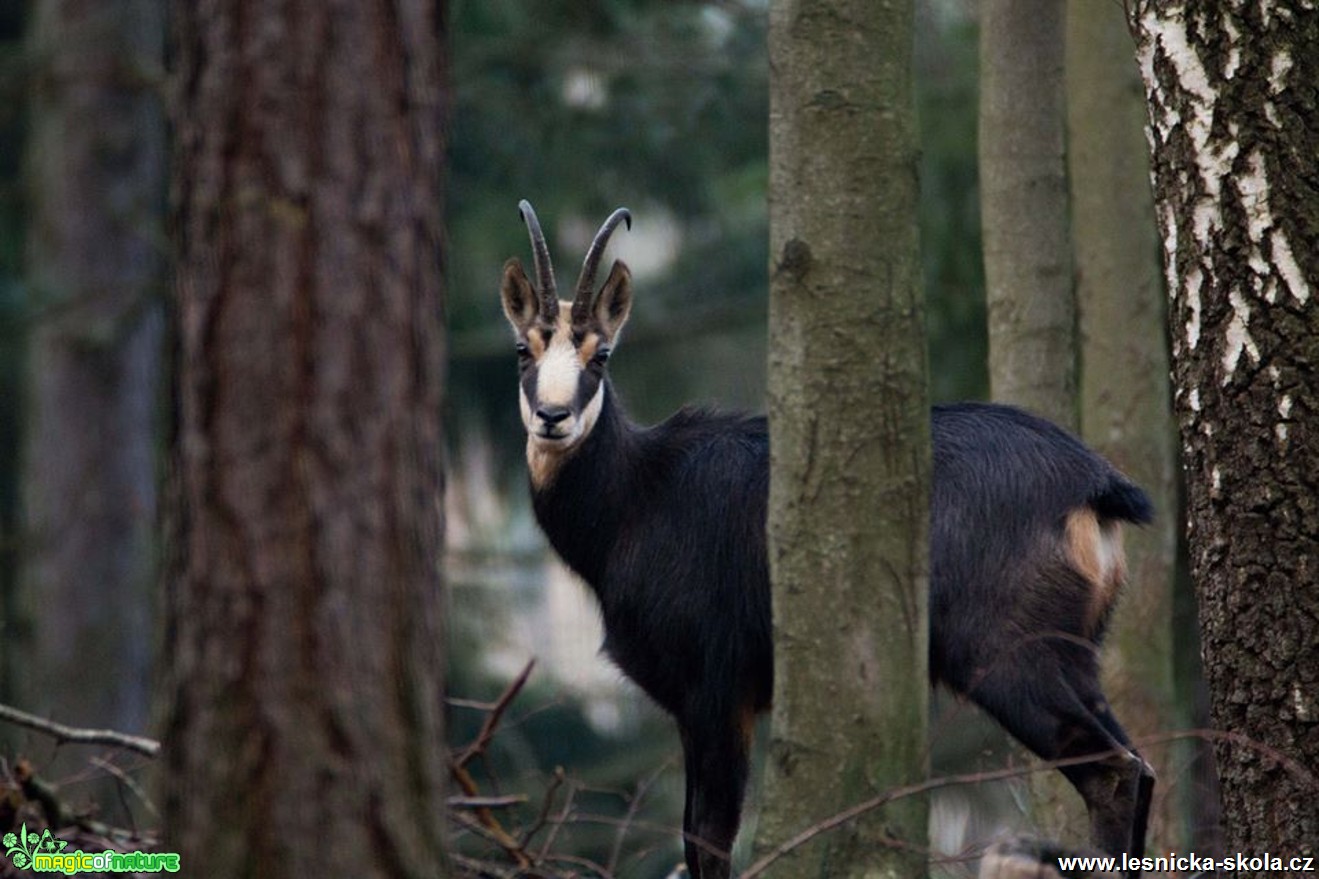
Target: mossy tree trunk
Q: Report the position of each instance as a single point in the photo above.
(849, 429)
(1231, 103)
(303, 641)
(1126, 398)
(1023, 200)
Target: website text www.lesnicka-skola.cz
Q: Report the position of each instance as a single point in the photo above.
(1283, 865)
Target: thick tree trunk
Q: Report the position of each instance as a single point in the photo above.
(1230, 89)
(1126, 399)
(303, 734)
(1023, 198)
(95, 171)
(849, 430)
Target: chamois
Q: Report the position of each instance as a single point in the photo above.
(667, 526)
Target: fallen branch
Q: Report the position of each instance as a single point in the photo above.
(73, 735)
(57, 813)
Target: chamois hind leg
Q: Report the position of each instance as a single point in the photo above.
(1145, 787)
(716, 763)
(1056, 708)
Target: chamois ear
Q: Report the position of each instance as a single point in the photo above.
(614, 301)
(519, 299)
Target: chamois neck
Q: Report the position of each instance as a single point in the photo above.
(581, 505)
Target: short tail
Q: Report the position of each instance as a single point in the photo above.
(1123, 499)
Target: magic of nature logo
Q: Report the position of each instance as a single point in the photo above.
(44, 853)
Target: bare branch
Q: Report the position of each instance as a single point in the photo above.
(545, 808)
(486, 802)
(634, 804)
(458, 768)
(848, 815)
(74, 735)
(483, 738)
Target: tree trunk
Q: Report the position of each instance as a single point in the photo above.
(14, 632)
(95, 171)
(1023, 198)
(1125, 395)
(1028, 262)
(303, 642)
(849, 427)
(1230, 89)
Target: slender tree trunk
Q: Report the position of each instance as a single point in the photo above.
(95, 171)
(1023, 198)
(1028, 261)
(1126, 398)
(303, 732)
(1230, 89)
(849, 427)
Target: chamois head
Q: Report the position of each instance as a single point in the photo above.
(563, 346)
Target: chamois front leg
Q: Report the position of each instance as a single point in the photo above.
(715, 755)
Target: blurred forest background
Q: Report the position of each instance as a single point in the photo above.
(580, 107)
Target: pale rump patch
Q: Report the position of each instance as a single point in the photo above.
(1095, 550)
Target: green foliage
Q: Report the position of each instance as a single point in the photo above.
(584, 106)
(946, 101)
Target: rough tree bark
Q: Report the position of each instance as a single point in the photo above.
(1231, 101)
(96, 184)
(849, 427)
(1125, 394)
(1023, 200)
(303, 644)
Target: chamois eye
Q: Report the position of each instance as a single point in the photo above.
(523, 351)
(601, 357)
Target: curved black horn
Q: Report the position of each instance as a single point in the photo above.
(549, 299)
(586, 282)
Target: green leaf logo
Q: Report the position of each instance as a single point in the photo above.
(20, 848)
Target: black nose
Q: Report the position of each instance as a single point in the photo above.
(552, 415)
